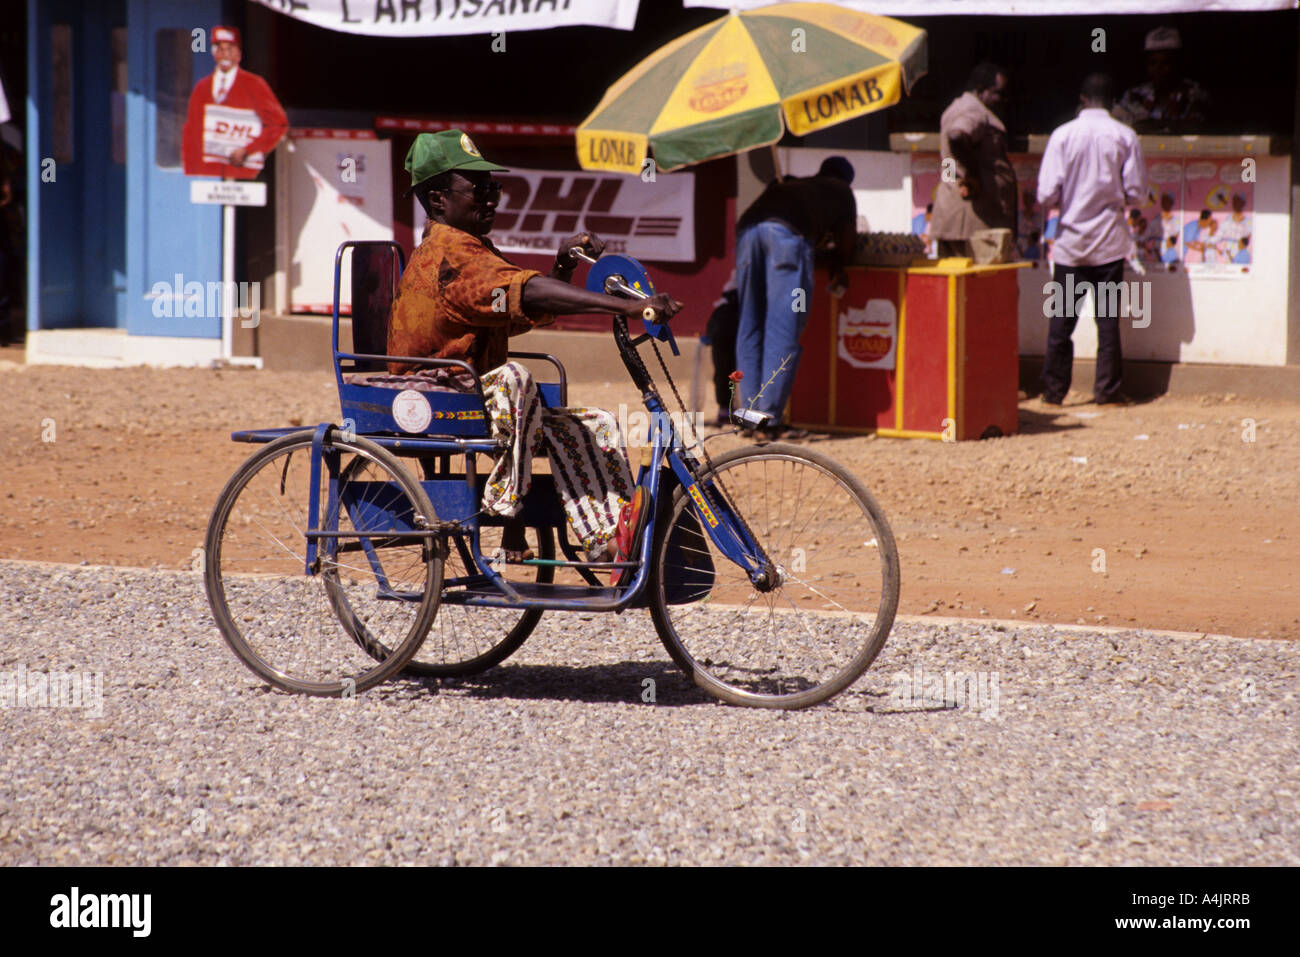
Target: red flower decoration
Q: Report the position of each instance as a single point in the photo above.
(736, 376)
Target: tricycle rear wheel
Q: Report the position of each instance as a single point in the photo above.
(468, 639)
(283, 622)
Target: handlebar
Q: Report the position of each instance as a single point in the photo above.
(616, 284)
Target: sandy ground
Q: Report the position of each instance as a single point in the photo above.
(1181, 513)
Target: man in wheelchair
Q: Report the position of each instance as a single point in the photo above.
(459, 298)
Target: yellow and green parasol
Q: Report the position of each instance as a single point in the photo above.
(736, 83)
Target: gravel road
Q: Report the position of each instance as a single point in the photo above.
(1070, 747)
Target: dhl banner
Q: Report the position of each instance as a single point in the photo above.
(225, 129)
(649, 220)
(426, 18)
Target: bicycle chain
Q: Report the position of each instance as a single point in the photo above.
(713, 469)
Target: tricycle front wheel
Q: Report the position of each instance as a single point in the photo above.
(821, 622)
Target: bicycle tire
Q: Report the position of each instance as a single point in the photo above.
(701, 602)
(265, 603)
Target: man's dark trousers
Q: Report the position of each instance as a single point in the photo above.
(1059, 362)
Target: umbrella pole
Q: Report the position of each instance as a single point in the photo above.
(776, 162)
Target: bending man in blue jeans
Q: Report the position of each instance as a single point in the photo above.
(775, 240)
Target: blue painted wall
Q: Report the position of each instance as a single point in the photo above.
(103, 232)
(166, 234)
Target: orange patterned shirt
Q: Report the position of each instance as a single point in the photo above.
(459, 299)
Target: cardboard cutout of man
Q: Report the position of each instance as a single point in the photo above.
(233, 120)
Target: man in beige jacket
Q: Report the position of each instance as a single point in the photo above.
(977, 186)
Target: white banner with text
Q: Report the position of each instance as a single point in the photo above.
(427, 18)
(1013, 8)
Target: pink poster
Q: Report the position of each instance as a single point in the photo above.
(1218, 218)
(1155, 223)
(1031, 236)
(925, 181)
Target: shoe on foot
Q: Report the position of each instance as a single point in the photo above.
(514, 544)
(631, 523)
(1118, 399)
(776, 433)
(788, 433)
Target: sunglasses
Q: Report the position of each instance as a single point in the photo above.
(481, 191)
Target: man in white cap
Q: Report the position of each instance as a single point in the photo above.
(1168, 102)
(233, 120)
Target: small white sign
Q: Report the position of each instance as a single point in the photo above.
(411, 411)
(225, 192)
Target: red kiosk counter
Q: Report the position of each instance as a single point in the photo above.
(923, 351)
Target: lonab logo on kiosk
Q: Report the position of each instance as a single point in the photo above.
(197, 300)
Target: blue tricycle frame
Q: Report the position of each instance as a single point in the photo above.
(456, 424)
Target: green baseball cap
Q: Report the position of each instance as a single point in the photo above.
(434, 153)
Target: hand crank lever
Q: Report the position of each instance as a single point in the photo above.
(616, 283)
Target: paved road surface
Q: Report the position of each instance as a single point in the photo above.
(1068, 748)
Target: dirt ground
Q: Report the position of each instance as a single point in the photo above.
(1180, 513)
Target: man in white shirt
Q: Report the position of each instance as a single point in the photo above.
(1092, 169)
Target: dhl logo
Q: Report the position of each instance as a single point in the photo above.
(233, 130)
(566, 203)
(703, 506)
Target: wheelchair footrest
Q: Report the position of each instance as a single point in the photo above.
(532, 591)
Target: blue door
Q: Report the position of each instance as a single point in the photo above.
(77, 76)
(167, 236)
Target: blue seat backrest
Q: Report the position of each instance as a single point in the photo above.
(376, 272)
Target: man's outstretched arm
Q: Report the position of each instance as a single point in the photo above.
(542, 294)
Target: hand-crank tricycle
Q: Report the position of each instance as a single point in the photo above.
(770, 573)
